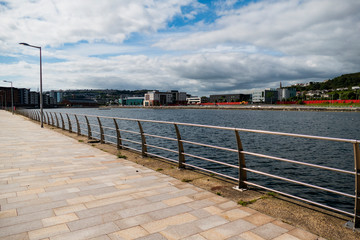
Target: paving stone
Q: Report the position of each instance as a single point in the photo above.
(59, 219)
(177, 201)
(234, 214)
(41, 207)
(162, 224)
(228, 230)
(88, 233)
(259, 219)
(195, 237)
(210, 222)
(287, 236)
(134, 221)
(269, 231)
(130, 233)
(303, 235)
(23, 219)
(20, 228)
(247, 236)
(8, 213)
(48, 231)
(168, 212)
(69, 209)
(180, 231)
(129, 212)
(155, 236)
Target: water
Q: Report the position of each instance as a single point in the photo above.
(328, 124)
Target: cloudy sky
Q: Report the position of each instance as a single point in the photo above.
(201, 47)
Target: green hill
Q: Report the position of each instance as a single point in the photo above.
(343, 81)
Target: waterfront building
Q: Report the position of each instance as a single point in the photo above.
(286, 93)
(131, 101)
(156, 98)
(269, 95)
(34, 98)
(230, 98)
(24, 96)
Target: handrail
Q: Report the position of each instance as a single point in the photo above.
(147, 150)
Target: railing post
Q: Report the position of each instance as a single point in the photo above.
(118, 136)
(143, 140)
(242, 173)
(48, 119)
(357, 185)
(68, 118)
(52, 120)
(77, 125)
(88, 127)
(62, 122)
(180, 148)
(57, 121)
(38, 116)
(101, 131)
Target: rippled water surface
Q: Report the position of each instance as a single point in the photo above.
(327, 124)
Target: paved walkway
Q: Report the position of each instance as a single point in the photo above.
(53, 187)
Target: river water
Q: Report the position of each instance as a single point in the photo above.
(327, 124)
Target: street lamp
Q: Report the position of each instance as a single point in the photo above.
(12, 96)
(41, 96)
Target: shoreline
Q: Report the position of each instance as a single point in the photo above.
(254, 108)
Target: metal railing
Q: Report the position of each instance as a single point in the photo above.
(92, 126)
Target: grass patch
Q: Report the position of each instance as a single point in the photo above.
(81, 140)
(119, 155)
(159, 169)
(218, 193)
(186, 180)
(267, 195)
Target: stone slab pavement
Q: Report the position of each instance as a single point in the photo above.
(53, 187)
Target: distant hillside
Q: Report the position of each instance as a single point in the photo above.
(343, 81)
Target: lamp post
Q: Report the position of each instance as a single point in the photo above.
(41, 96)
(12, 96)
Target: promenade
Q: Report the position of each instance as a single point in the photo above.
(54, 187)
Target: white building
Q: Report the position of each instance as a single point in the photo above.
(156, 98)
(193, 100)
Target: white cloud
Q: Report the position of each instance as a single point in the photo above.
(255, 46)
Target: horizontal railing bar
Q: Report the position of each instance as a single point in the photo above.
(165, 149)
(297, 162)
(162, 157)
(129, 131)
(299, 198)
(105, 127)
(156, 136)
(210, 160)
(210, 146)
(298, 182)
(109, 136)
(95, 132)
(207, 170)
(234, 129)
(128, 140)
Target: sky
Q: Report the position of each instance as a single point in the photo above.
(199, 47)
